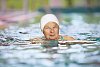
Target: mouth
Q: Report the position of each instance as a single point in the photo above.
(52, 34)
(52, 37)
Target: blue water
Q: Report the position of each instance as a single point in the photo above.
(18, 52)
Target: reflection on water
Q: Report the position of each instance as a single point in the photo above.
(20, 53)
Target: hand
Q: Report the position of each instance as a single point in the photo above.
(35, 40)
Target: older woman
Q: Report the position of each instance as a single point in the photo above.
(50, 28)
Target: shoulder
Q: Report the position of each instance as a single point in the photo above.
(68, 38)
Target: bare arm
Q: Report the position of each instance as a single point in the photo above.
(35, 40)
(68, 38)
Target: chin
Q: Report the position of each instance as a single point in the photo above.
(52, 38)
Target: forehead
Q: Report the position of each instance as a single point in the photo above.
(51, 24)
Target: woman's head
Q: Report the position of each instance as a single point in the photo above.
(50, 26)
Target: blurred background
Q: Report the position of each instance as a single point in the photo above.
(35, 5)
(18, 11)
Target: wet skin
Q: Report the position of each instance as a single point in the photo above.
(51, 31)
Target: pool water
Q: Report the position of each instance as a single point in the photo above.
(17, 51)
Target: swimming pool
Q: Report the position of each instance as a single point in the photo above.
(20, 53)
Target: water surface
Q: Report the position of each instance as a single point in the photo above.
(18, 52)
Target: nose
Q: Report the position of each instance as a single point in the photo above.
(52, 30)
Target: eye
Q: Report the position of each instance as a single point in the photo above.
(47, 28)
(55, 27)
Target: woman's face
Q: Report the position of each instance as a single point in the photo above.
(51, 31)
